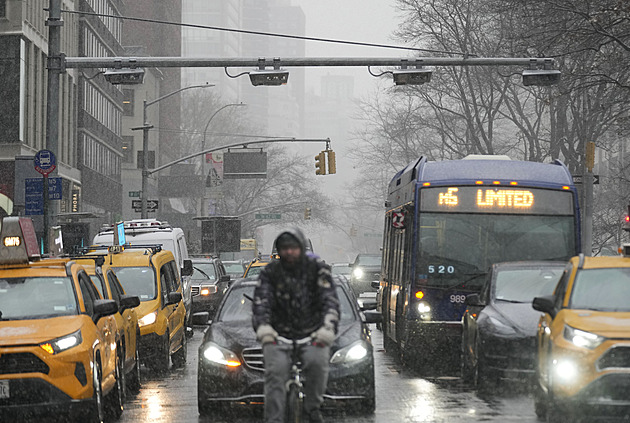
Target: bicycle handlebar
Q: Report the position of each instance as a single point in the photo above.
(303, 341)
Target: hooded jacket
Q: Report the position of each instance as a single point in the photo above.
(295, 300)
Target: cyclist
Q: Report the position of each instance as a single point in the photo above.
(295, 298)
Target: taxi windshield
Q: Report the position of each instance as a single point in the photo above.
(254, 271)
(601, 289)
(138, 281)
(36, 298)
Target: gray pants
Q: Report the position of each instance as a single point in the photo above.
(278, 370)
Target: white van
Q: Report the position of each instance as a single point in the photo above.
(151, 232)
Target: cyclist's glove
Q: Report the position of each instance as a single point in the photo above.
(326, 334)
(266, 334)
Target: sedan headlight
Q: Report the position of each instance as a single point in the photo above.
(357, 273)
(207, 290)
(581, 338)
(219, 355)
(63, 343)
(353, 352)
(148, 319)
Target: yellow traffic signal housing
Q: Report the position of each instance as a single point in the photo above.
(320, 163)
(307, 213)
(332, 164)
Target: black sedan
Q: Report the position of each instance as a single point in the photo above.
(499, 325)
(209, 283)
(231, 366)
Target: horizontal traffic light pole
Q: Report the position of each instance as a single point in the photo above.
(239, 144)
(222, 62)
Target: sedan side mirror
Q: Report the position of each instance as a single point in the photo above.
(375, 284)
(474, 300)
(201, 319)
(128, 301)
(545, 304)
(373, 316)
(187, 270)
(225, 278)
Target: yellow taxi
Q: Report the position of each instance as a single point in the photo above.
(128, 337)
(57, 334)
(254, 268)
(151, 274)
(584, 340)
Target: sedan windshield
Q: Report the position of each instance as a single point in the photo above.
(138, 281)
(370, 260)
(522, 285)
(36, 298)
(237, 307)
(234, 268)
(601, 289)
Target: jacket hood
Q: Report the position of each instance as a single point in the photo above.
(295, 233)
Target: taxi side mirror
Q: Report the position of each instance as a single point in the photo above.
(545, 304)
(104, 308)
(375, 284)
(187, 270)
(173, 298)
(129, 301)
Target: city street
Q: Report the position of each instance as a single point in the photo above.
(401, 396)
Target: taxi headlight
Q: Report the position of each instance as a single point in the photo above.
(219, 355)
(148, 319)
(564, 371)
(357, 273)
(63, 343)
(581, 338)
(353, 352)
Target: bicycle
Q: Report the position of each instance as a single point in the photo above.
(295, 394)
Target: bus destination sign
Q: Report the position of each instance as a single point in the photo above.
(475, 199)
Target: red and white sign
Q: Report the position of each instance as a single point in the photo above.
(398, 220)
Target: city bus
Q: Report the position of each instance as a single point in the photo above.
(446, 223)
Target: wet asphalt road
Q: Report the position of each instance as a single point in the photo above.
(401, 396)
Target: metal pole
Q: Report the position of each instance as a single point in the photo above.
(204, 204)
(587, 220)
(54, 66)
(145, 161)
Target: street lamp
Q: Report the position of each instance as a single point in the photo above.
(145, 142)
(203, 147)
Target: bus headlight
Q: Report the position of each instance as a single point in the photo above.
(354, 352)
(357, 273)
(581, 338)
(424, 309)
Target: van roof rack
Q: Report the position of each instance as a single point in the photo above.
(138, 225)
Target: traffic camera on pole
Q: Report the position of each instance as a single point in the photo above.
(320, 163)
(332, 164)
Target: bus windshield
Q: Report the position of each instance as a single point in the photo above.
(460, 247)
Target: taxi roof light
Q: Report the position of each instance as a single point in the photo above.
(19, 241)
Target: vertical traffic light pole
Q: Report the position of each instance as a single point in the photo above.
(587, 181)
(55, 66)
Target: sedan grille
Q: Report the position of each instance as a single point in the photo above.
(253, 358)
(194, 290)
(615, 358)
(13, 363)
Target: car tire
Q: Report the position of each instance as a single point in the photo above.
(115, 399)
(161, 361)
(95, 410)
(179, 356)
(485, 379)
(210, 408)
(134, 383)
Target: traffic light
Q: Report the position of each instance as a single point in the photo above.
(626, 221)
(332, 164)
(320, 163)
(353, 231)
(307, 213)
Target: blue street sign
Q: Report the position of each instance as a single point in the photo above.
(45, 162)
(34, 194)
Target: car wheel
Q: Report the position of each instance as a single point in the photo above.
(179, 357)
(95, 411)
(469, 371)
(134, 376)
(485, 379)
(210, 408)
(115, 398)
(162, 357)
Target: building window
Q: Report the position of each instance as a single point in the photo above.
(127, 147)
(3, 8)
(151, 159)
(128, 102)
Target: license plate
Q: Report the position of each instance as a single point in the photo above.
(4, 389)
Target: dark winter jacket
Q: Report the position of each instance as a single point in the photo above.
(295, 301)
